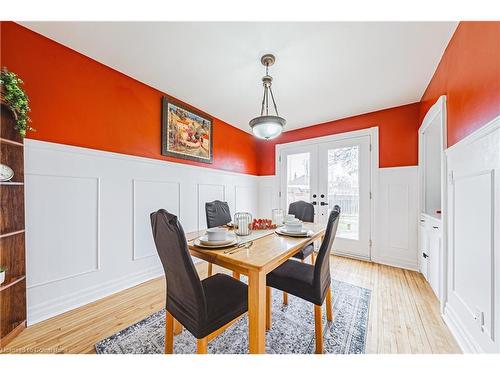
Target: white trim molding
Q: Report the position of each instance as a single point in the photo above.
(436, 112)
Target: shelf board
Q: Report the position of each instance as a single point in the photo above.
(4, 140)
(15, 281)
(11, 183)
(12, 334)
(12, 233)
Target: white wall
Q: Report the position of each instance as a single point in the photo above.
(472, 308)
(87, 218)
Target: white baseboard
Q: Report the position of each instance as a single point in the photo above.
(66, 303)
(395, 262)
(464, 340)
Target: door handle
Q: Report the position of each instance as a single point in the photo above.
(425, 255)
(324, 204)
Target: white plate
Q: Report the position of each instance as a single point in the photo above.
(198, 243)
(205, 241)
(304, 233)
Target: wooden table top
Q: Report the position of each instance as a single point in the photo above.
(265, 254)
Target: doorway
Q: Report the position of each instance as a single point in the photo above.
(329, 171)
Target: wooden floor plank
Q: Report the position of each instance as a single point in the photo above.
(404, 313)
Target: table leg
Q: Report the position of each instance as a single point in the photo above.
(257, 312)
(269, 306)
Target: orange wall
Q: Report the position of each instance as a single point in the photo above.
(469, 75)
(78, 101)
(398, 136)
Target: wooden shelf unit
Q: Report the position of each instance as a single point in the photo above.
(12, 231)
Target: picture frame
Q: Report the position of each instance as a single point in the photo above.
(186, 133)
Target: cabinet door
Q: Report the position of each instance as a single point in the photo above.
(424, 248)
(434, 259)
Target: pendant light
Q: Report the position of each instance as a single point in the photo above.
(267, 126)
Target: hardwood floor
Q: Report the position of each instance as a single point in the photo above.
(404, 314)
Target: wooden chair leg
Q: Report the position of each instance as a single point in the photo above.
(209, 273)
(202, 345)
(313, 258)
(268, 308)
(318, 329)
(329, 311)
(236, 275)
(285, 298)
(169, 334)
(177, 327)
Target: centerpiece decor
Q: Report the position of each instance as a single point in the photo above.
(14, 97)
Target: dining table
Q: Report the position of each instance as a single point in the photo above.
(258, 254)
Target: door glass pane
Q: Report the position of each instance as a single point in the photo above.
(343, 189)
(298, 181)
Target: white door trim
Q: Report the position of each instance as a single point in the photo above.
(438, 109)
(372, 132)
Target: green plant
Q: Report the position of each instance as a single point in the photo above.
(17, 100)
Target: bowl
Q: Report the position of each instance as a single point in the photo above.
(216, 234)
(294, 225)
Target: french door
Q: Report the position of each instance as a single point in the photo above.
(328, 174)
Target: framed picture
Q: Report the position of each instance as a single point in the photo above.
(185, 134)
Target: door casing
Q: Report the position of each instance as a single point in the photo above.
(373, 133)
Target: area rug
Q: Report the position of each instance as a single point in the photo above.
(292, 330)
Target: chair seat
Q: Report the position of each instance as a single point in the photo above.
(305, 252)
(296, 278)
(227, 298)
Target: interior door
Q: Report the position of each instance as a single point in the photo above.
(344, 180)
(330, 173)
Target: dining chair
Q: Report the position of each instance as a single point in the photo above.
(205, 308)
(303, 211)
(218, 214)
(307, 281)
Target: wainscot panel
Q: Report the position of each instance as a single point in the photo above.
(87, 213)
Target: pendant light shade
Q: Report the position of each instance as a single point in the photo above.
(267, 126)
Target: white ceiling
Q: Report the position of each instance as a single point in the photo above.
(324, 71)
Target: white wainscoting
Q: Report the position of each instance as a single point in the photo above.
(87, 219)
(268, 195)
(472, 308)
(396, 218)
(395, 234)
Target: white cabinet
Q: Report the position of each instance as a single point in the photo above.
(423, 246)
(430, 240)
